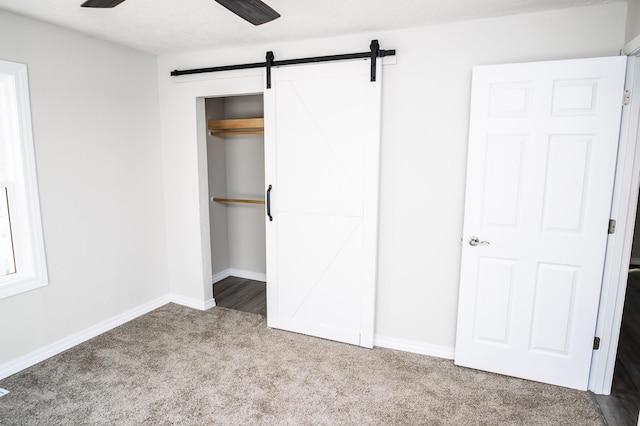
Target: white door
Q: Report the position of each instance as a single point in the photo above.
(542, 153)
(322, 125)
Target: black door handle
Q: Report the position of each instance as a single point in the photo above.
(269, 203)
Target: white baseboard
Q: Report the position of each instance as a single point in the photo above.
(438, 351)
(220, 276)
(192, 303)
(247, 275)
(62, 345)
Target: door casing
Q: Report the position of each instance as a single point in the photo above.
(623, 210)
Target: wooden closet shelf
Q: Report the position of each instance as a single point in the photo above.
(237, 132)
(236, 200)
(238, 126)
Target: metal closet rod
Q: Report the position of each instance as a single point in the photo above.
(374, 53)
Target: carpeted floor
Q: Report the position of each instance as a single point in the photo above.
(177, 365)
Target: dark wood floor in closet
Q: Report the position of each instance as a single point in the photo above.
(621, 407)
(241, 294)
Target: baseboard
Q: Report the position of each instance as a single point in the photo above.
(248, 275)
(192, 303)
(438, 351)
(62, 345)
(208, 304)
(220, 276)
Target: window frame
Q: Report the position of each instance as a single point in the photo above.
(20, 179)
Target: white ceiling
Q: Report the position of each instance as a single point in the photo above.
(170, 26)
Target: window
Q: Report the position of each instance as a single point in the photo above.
(22, 259)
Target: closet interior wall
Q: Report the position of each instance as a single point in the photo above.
(236, 170)
(635, 247)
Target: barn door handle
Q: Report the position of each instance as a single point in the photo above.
(474, 241)
(269, 203)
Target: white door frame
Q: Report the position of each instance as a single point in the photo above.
(623, 210)
(201, 87)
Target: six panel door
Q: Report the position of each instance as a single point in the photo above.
(542, 154)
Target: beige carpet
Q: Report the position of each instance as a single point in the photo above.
(177, 365)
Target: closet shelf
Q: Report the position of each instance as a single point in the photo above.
(238, 126)
(236, 200)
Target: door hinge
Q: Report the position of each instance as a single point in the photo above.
(626, 97)
(612, 226)
(596, 343)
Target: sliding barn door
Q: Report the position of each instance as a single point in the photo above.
(543, 143)
(322, 136)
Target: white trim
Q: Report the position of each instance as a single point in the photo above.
(24, 202)
(192, 303)
(623, 209)
(412, 346)
(247, 275)
(220, 276)
(39, 355)
(62, 345)
(633, 47)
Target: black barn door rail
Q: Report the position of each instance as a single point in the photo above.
(374, 53)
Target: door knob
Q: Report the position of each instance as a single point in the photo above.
(474, 241)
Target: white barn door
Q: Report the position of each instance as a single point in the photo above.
(322, 142)
(542, 154)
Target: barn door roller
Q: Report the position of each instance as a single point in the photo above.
(374, 53)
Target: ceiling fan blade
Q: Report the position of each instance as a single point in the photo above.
(253, 11)
(101, 3)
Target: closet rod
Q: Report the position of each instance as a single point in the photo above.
(236, 200)
(374, 53)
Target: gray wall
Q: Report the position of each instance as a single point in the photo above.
(236, 170)
(217, 173)
(633, 20)
(98, 156)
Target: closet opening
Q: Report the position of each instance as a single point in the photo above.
(235, 168)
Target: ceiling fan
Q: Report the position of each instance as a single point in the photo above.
(254, 11)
